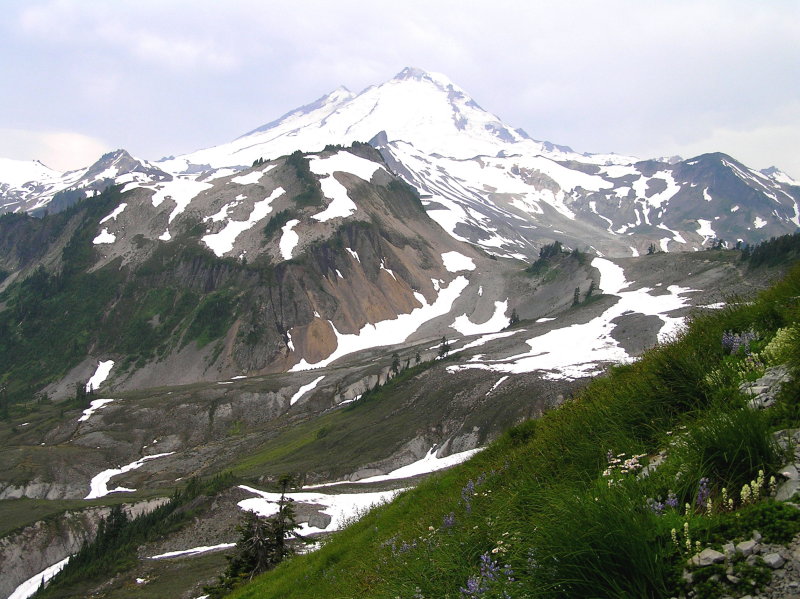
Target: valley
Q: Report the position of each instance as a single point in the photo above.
(370, 289)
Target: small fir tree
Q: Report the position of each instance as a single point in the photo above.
(444, 348)
(262, 544)
(590, 290)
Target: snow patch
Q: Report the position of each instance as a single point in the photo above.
(194, 550)
(342, 507)
(181, 191)
(289, 239)
(98, 487)
(456, 262)
(341, 205)
(30, 586)
(222, 242)
(93, 407)
(705, 230)
(117, 211)
(498, 321)
(579, 350)
(305, 389)
(248, 179)
(100, 375)
(426, 465)
(499, 382)
(389, 332)
(104, 237)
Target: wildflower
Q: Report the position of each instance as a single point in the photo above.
(674, 534)
(449, 520)
(709, 507)
(703, 492)
(724, 497)
(746, 494)
(686, 536)
(655, 505)
(773, 486)
(672, 500)
(759, 484)
(732, 342)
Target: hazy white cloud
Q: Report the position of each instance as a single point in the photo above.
(773, 142)
(140, 30)
(60, 150)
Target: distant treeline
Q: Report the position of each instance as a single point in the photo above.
(776, 250)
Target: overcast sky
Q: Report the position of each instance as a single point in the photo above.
(160, 77)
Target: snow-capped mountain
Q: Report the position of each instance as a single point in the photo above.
(490, 184)
(30, 186)
(482, 180)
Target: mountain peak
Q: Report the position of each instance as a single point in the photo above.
(417, 74)
(412, 73)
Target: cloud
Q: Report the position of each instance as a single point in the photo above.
(60, 150)
(144, 32)
(758, 146)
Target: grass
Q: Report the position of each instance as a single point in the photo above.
(544, 501)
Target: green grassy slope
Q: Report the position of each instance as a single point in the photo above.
(544, 513)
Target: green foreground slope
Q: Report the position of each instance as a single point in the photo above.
(558, 507)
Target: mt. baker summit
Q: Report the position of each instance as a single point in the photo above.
(481, 180)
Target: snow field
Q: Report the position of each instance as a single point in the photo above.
(578, 350)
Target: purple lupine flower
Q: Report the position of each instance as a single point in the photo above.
(466, 495)
(489, 567)
(655, 505)
(449, 520)
(474, 588)
(733, 342)
(672, 500)
(703, 492)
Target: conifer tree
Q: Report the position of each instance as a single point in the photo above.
(262, 544)
(444, 348)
